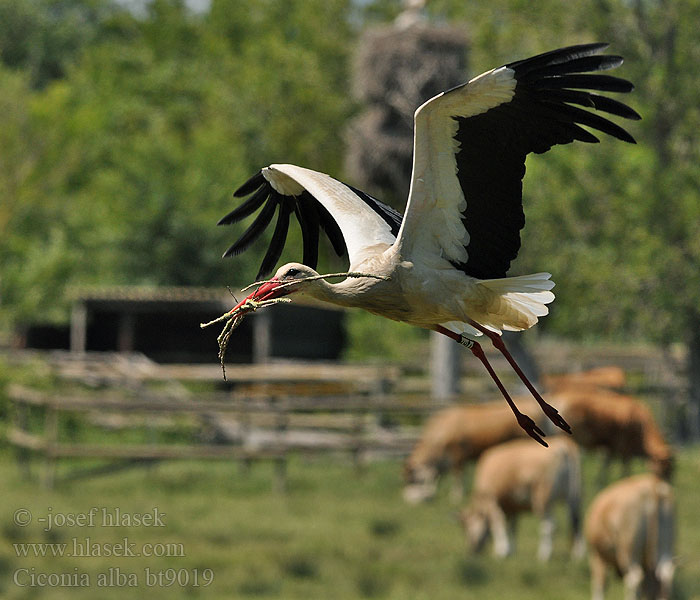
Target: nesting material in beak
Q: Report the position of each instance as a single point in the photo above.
(266, 294)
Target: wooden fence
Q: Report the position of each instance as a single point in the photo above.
(241, 426)
(270, 411)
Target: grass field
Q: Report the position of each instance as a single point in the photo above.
(335, 534)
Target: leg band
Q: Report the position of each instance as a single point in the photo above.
(466, 342)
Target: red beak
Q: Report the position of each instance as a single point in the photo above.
(266, 291)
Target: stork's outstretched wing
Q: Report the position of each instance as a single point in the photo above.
(470, 146)
(351, 219)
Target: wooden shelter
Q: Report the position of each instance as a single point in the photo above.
(163, 323)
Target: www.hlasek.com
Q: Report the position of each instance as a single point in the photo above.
(89, 546)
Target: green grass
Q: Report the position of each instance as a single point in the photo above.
(334, 534)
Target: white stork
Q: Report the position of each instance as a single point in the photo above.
(443, 265)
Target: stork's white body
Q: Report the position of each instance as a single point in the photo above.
(419, 285)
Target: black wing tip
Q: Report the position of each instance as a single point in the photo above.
(629, 113)
(250, 185)
(594, 47)
(226, 220)
(570, 75)
(249, 206)
(557, 56)
(578, 50)
(624, 136)
(231, 252)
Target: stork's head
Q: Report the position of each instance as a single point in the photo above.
(288, 279)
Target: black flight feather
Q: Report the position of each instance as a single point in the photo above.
(335, 235)
(578, 65)
(250, 185)
(391, 216)
(588, 100)
(278, 239)
(605, 83)
(578, 115)
(554, 57)
(307, 215)
(254, 231)
(248, 207)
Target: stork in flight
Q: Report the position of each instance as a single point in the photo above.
(442, 266)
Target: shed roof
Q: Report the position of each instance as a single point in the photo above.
(148, 294)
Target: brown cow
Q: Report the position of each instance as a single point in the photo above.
(629, 527)
(451, 438)
(607, 377)
(621, 425)
(522, 476)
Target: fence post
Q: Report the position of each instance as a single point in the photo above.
(51, 431)
(78, 327)
(280, 478)
(22, 454)
(358, 428)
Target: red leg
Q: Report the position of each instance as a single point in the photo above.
(551, 412)
(524, 421)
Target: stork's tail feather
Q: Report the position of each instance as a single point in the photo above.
(535, 282)
(518, 301)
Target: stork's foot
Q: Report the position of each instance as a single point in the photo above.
(554, 416)
(531, 428)
(551, 412)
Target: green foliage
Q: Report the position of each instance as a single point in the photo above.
(384, 339)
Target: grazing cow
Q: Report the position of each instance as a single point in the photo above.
(520, 476)
(629, 527)
(450, 439)
(606, 377)
(621, 425)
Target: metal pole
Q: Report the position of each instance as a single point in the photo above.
(444, 366)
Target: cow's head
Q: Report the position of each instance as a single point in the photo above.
(421, 482)
(663, 467)
(475, 523)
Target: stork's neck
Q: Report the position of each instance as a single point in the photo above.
(351, 292)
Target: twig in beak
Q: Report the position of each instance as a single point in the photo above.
(233, 319)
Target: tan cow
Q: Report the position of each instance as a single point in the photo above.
(520, 476)
(451, 438)
(620, 425)
(629, 527)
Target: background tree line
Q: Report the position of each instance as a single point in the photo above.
(123, 136)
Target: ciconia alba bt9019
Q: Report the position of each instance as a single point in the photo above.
(443, 265)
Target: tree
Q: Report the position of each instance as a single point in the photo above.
(136, 149)
(44, 37)
(662, 42)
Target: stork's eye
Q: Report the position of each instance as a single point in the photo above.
(292, 272)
